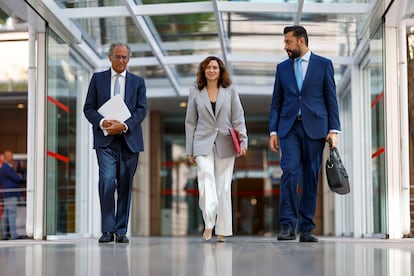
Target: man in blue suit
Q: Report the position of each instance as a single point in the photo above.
(10, 182)
(303, 116)
(117, 143)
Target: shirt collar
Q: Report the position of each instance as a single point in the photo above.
(306, 56)
(113, 73)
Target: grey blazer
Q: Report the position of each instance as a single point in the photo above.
(204, 129)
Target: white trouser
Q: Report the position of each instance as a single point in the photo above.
(214, 185)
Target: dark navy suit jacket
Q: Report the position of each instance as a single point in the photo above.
(9, 179)
(135, 98)
(317, 99)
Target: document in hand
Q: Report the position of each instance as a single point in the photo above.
(115, 109)
(234, 135)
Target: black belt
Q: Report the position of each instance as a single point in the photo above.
(299, 117)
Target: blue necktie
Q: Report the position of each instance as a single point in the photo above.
(299, 73)
(117, 88)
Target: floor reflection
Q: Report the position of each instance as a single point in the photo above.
(191, 256)
(113, 258)
(218, 259)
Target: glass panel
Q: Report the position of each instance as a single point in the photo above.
(262, 34)
(346, 144)
(308, 1)
(168, 1)
(180, 214)
(410, 75)
(187, 70)
(65, 83)
(14, 54)
(148, 71)
(379, 184)
(101, 32)
(187, 34)
(255, 34)
(87, 3)
(261, 74)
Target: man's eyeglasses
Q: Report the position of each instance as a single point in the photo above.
(118, 57)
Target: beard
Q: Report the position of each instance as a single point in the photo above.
(293, 53)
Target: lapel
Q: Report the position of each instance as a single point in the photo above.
(107, 84)
(127, 95)
(291, 73)
(309, 71)
(220, 99)
(206, 100)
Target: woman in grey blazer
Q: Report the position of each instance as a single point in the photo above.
(213, 107)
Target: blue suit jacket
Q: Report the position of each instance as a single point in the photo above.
(9, 179)
(135, 98)
(317, 99)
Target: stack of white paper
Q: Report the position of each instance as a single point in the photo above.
(115, 109)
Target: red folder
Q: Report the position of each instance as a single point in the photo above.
(234, 135)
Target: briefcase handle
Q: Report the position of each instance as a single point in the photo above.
(330, 142)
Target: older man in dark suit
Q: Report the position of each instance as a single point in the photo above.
(117, 143)
(303, 116)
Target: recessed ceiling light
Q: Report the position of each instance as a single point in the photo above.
(20, 106)
(183, 104)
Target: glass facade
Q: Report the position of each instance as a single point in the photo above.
(346, 143)
(378, 155)
(66, 84)
(410, 69)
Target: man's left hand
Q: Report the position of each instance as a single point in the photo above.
(115, 128)
(334, 137)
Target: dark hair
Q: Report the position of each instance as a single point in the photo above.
(115, 44)
(298, 32)
(224, 78)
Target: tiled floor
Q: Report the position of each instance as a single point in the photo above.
(191, 256)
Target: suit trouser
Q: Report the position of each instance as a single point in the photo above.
(300, 161)
(117, 166)
(214, 184)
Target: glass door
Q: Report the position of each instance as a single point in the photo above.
(376, 186)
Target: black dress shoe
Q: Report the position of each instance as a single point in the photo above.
(287, 234)
(121, 239)
(308, 237)
(107, 237)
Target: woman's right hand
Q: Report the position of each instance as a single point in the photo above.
(191, 159)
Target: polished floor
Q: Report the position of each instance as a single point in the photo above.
(184, 256)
